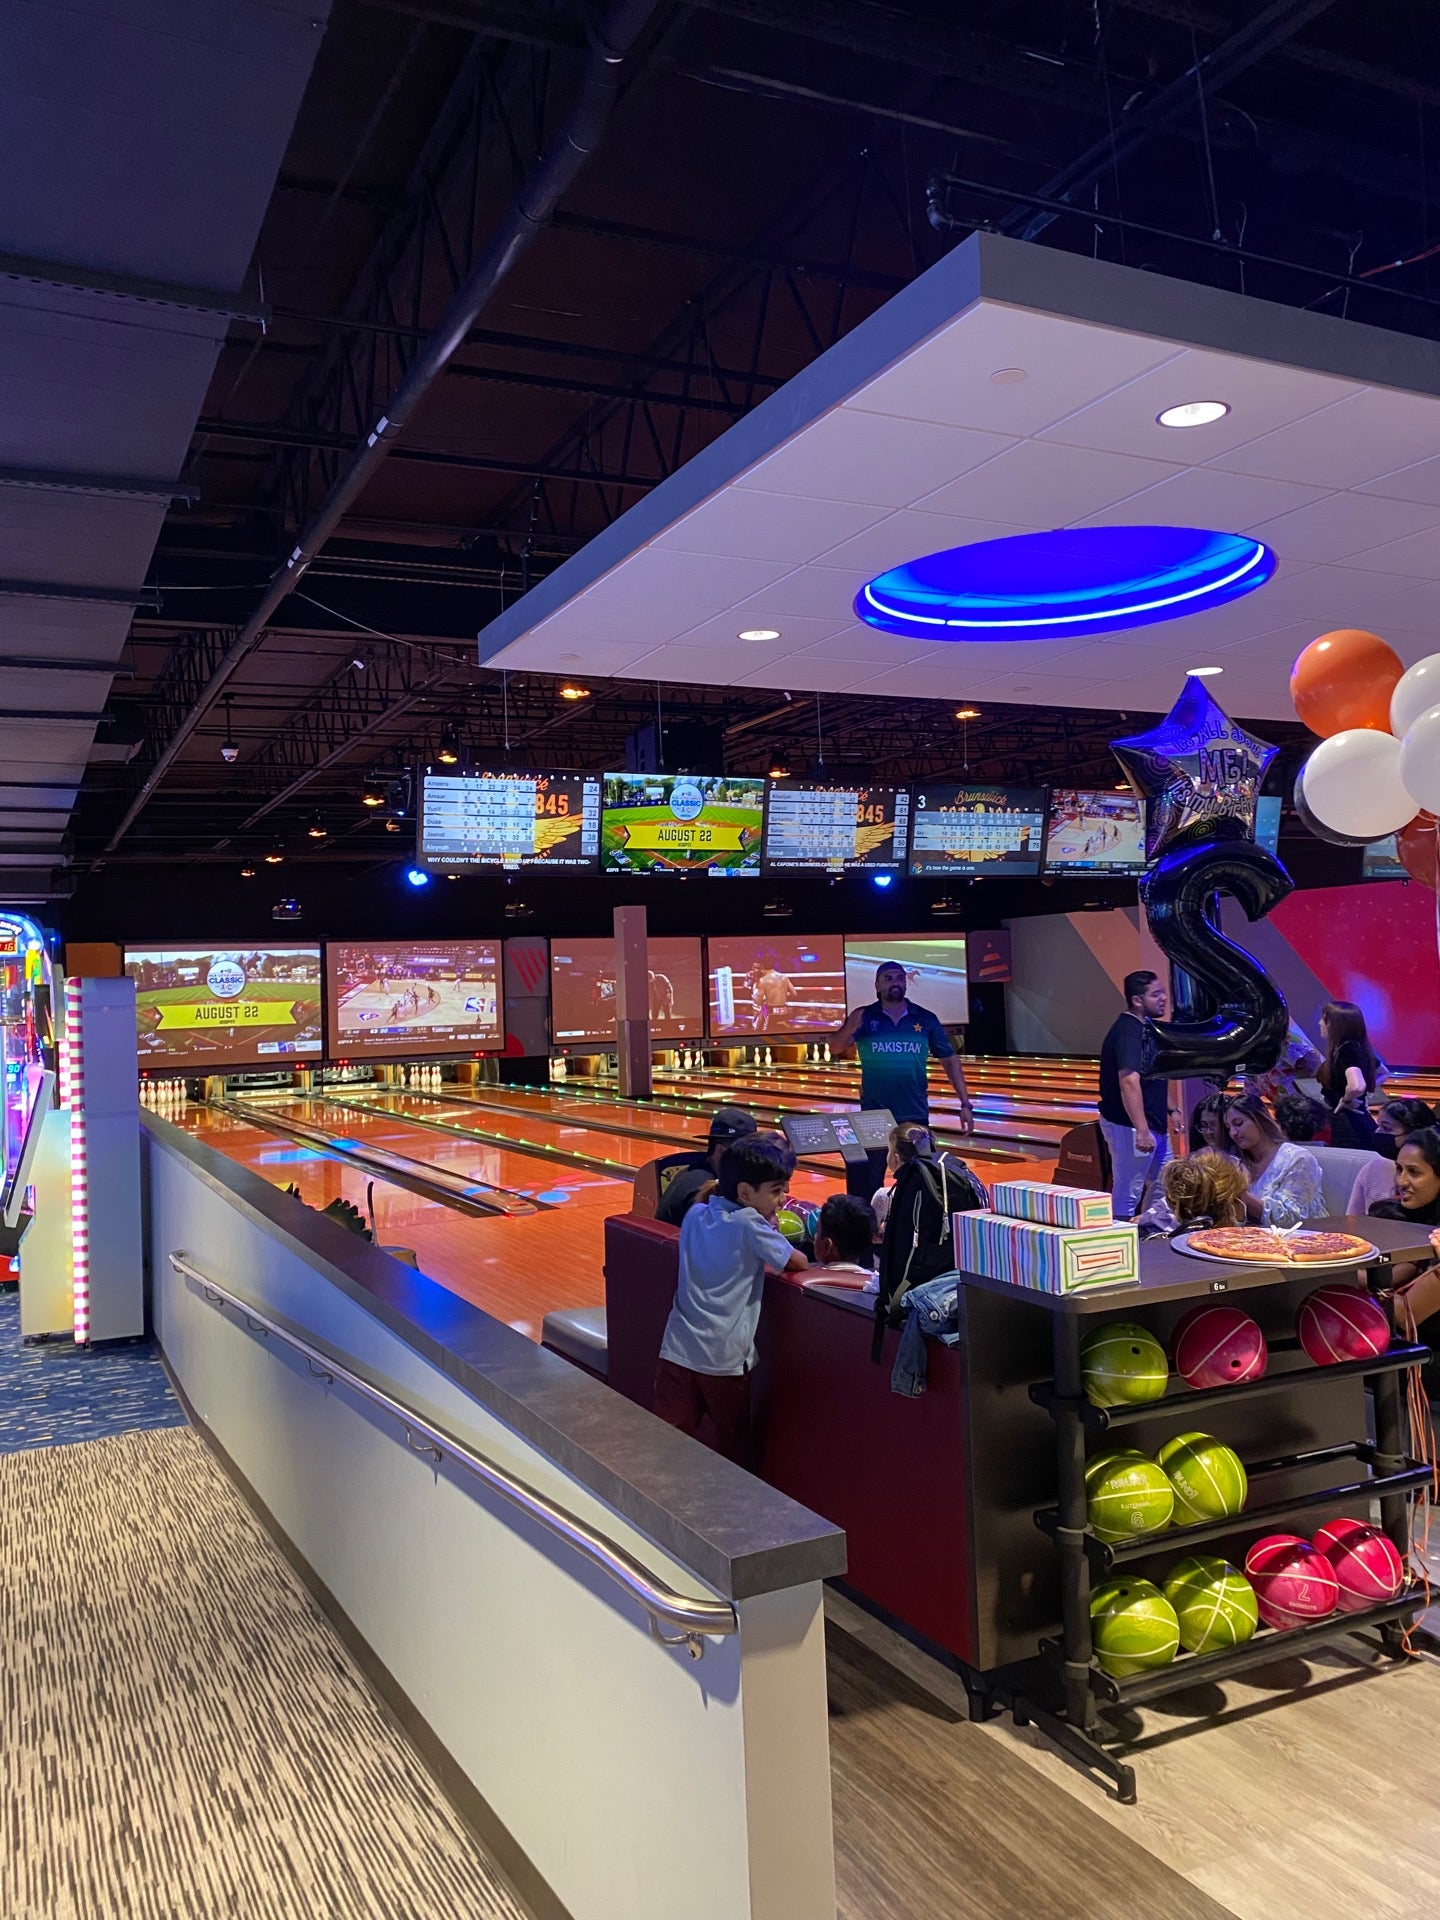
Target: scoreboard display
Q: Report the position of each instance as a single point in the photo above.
(825, 829)
(987, 832)
(509, 820)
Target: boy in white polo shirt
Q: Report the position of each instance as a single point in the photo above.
(708, 1350)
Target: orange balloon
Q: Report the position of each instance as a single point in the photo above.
(1345, 679)
(1417, 847)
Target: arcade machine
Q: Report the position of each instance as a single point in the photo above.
(27, 1066)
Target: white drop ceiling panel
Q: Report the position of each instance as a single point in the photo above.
(1013, 388)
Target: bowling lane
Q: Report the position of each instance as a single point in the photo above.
(518, 1269)
(548, 1131)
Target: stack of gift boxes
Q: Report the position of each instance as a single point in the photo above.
(1055, 1239)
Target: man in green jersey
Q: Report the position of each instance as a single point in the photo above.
(896, 1042)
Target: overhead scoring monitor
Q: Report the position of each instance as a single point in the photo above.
(811, 828)
(984, 831)
(509, 820)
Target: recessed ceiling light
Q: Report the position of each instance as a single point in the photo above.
(1193, 413)
(564, 656)
(1203, 673)
(1008, 376)
(759, 633)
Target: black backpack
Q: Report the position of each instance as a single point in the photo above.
(919, 1244)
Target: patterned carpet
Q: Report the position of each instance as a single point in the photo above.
(183, 1735)
(54, 1392)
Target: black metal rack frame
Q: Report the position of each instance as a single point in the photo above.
(1392, 1478)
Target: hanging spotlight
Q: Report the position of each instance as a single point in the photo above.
(392, 826)
(317, 830)
(229, 751)
(568, 692)
(417, 877)
(449, 753)
(372, 794)
(276, 854)
(247, 873)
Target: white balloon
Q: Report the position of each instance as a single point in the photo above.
(1417, 688)
(1420, 759)
(1352, 784)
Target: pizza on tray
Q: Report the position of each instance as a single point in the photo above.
(1263, 1245)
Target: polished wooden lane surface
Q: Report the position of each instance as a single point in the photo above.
(517, 1269)
(933, 1822)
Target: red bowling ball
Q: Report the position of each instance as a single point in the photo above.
(1294, 1582)
(1335, 1324)
(1218, 1347)
(1368, 1569)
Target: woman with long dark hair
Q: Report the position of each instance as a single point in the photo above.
(1347, 1074)
(1285, 1181)
(1417, 1201)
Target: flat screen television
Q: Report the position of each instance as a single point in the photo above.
(398, 999)
(1267, 822)
(582, 991)
(1091, 830)
(206, 1009)
(1380, 861)
(935, 971)
(682, 823)
(827, 829)
(775, 983)
(508, 821)
(987, 832)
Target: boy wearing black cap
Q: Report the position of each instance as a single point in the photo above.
(727, 1124)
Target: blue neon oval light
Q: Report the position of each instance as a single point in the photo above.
(1079, 580)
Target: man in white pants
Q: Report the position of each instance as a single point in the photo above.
(1134, 1111)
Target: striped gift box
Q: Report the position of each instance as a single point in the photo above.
(1052, 1206)
(1049, 1259)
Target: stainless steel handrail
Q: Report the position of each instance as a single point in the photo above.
(694, 1619)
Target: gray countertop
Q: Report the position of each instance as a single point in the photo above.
(739, 1535)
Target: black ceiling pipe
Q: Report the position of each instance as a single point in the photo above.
(611, 43)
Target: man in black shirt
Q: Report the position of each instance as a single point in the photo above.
(1134, 1109)
(684, 1188)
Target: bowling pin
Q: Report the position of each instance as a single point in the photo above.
(769, 1058)
(827, 1049)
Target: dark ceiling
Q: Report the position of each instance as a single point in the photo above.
(773, 171)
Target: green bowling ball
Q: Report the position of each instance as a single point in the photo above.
(791, 1224)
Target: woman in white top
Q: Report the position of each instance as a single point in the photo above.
(1285, 1181)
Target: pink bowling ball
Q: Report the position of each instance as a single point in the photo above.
(1294, 1582)
(1341, 1323)
(1218, 1347)
(1368, 1569)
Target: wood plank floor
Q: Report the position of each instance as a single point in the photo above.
(934, 1822)
(1272, 1803)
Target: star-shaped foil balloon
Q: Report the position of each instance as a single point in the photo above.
(1197, 770)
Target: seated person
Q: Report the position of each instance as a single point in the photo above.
(1207, 1124)
(845, 1245)
(1396, 1121)
(1286, 1185)
(1205, 1189)
(1302, 1119)
(689, 1184)
(707, 1353)
(930, 1187)
(1417, 1200)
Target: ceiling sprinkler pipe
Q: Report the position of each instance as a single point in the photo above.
(534, 205)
